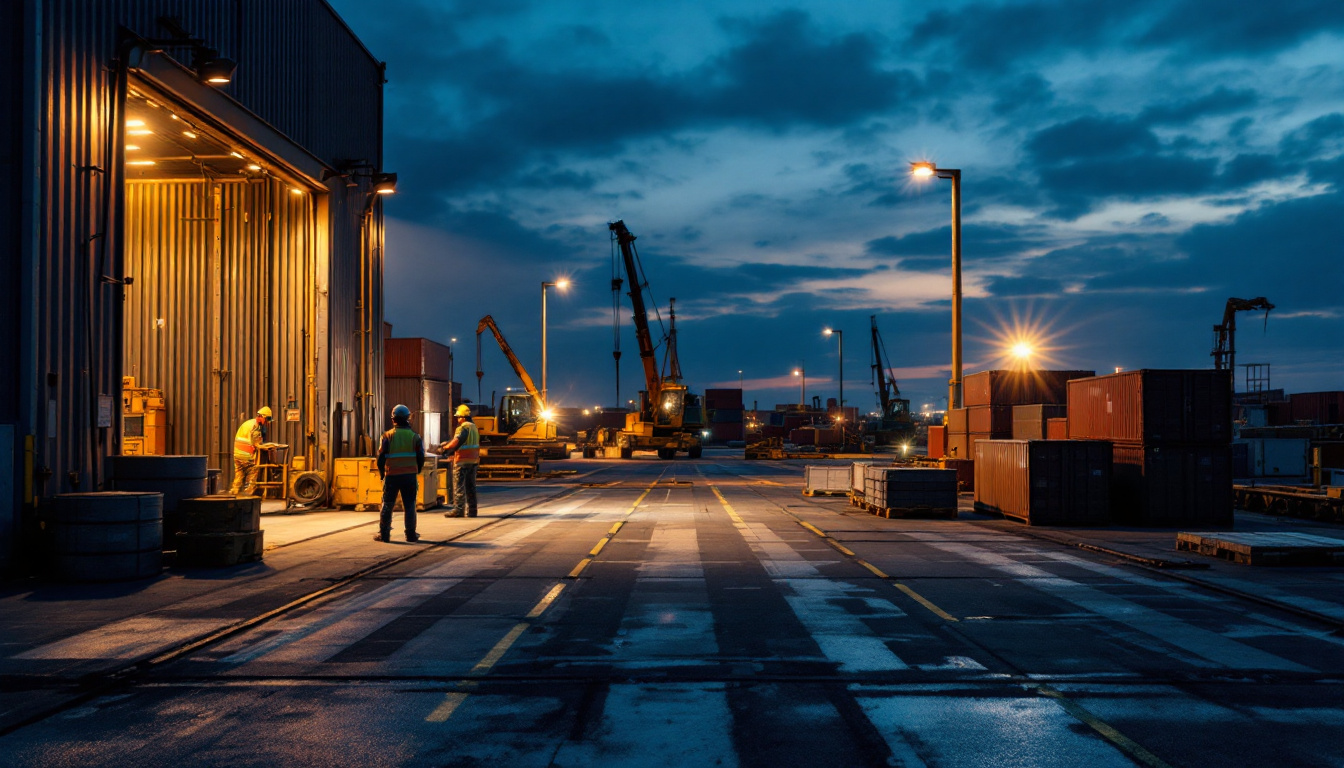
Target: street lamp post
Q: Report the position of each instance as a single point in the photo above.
(923, 171)
(840, 336)
(562, 285)
(801, 373)
(451, 404)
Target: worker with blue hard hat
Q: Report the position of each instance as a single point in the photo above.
(401, 456)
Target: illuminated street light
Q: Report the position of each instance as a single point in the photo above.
(841, 336)
(562, 284)
(925, 170)
(802, 386)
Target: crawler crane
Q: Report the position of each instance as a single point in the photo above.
(670, 418)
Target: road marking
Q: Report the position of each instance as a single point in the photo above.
(876, 571)
(600, 544)
(918, 598)
(615, 528)
(574, 574)
(585, 562)
(728, 507)
(451, 701)
(1107, 731)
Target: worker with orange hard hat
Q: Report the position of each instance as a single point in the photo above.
(246, 445)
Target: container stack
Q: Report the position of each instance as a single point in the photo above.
(417, 373)
(990, 396)
(1171, 433)
(1030, 421)
(910, 492)
(219, 531)
(724, 409)
(937, 441)
(1045, 482)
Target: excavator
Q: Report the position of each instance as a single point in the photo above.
(670, 418)
(893, 425)
(1225, 335)
(521, 419)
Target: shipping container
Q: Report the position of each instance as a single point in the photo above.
(723, 398)
(417, 359)
(1029, 421)
(1329, 455)
(419, 395)
(725, 415)
(804, 436)
(965, 469)
(937, 442)
(1153, 406)
(995, 420)
(963, 446)
(957, 423)
(1018, 387)
(858, 471)
(1317, 407)
(1277, 457)
(1045, 482)
(1170, 486)
(723, 433)
(1057, 429)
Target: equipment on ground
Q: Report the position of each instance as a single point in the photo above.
(144, 420)
(1225, 335)
(670, 418)
(521, 419)
(893, 425)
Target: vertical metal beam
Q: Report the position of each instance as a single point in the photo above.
(954, 386)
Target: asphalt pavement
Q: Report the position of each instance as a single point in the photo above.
(684, 613)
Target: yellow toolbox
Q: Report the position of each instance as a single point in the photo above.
(356, 485)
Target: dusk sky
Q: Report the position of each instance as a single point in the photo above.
(1127, 167)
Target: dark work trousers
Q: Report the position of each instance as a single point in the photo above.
(407, 486)
(464, 490)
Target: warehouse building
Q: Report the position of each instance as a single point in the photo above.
(195, 208)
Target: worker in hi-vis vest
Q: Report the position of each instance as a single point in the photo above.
(246, 452)
(466, 449)
(401, 456)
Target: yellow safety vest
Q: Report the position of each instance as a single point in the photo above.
(401, 456)
(468, 444)
(243, 447)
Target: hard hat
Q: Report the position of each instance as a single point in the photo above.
(264, 410)
(401, 412)
(463, 410)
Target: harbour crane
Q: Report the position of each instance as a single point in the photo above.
(670, 417)
(1225, 335)
(894, 424)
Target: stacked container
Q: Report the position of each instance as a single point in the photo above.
(1045, 482)
(990, 396)
(937, 442)
(417, 374)
(910, 491)
(725, 413)
(1030, 421)
(1171, 431)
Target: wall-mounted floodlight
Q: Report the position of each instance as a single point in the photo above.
(384, 183)
(212, 68)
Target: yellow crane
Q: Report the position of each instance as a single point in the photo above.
(520, 419)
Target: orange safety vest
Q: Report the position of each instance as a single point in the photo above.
(468, 444)
(243, 447)
(401, 456)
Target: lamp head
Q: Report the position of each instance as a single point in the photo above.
(212, 68)
(384, 183)
(922, 169)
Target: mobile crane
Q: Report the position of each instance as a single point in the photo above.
(521, 419)
(894, 424)
(670, 418)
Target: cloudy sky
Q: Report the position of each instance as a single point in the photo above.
(1127, 167)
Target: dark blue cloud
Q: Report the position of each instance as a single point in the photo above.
(985, 36)
(1216, 27)
(979, 242)
(1221, 100)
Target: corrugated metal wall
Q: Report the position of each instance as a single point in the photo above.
(302, 71)
(220, 314)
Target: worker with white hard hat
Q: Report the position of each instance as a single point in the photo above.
(401, 456)
(246, 447)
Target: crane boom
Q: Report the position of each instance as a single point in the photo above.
(653, 383)
(528, 384)
(879, 371)
(1225, 335)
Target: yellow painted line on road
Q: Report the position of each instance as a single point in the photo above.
(596, 550)
(1106, 730)
(728, 507)
(918, 598)
(842, 548)
(813, 529)
(574, 574)
(483, 666)
(876, 571)
(600, 544)
(445, 710)
(615, 528)
(546, 601)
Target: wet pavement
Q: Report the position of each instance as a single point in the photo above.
(685, 613)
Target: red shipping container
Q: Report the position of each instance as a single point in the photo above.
(937, 442)
(1057, 429)
(722, 433)
(416, 359)
(965, 472)
(1279, 414)
(994, 420)
(1153, 406)
(956, 422)
(1045, 482)
(963, 446)
(1317, 407)
(1029, 420)
(806, 436)
(1018, 387)
(1172, 486)
(723, 398)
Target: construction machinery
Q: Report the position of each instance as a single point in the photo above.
(522, 419)
(670, 418)
(1225, 335)
(893, 424)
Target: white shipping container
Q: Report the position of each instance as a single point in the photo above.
(857, 475)
(834, 479)
(1279, 456)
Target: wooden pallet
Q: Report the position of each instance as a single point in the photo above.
(506, 472)
(947, 513)
(1265, 548)
(823, 492)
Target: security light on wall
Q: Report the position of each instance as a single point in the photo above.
(384, 183)
(212, 68)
